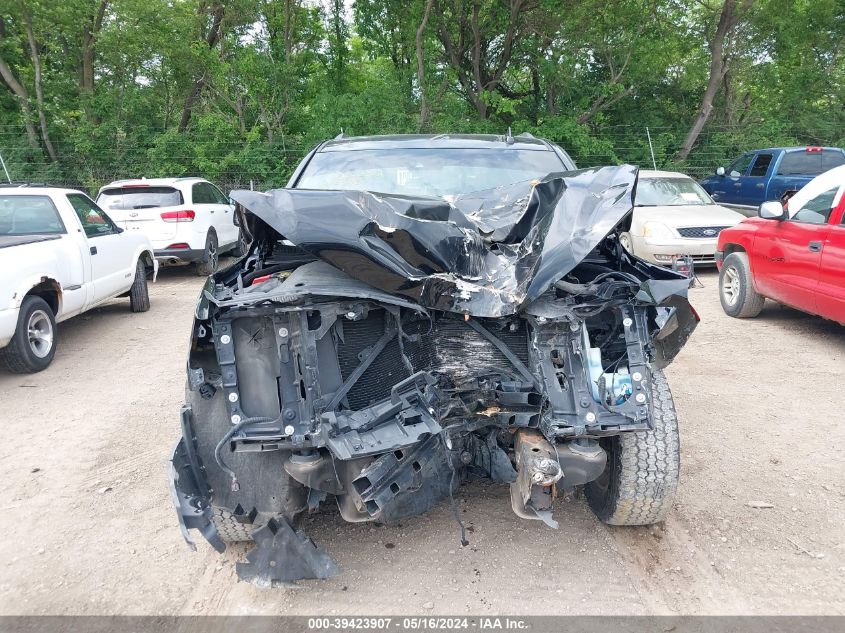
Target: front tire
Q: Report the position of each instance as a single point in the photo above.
(736, 288)
(639, 481)
(33, 345)
(241, 246)
(208, 265)
(139, 294)
(266, 489)
(229, 528)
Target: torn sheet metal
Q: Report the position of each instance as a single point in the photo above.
(485, 254)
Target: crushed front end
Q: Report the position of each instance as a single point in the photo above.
(381, 351)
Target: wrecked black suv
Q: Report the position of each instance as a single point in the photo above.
(414, 311)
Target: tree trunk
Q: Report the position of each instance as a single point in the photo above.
(23, 99)
(718, 68)
(211, 39)
(291, 7)
(39, 95)
(89, 37)
(421, 66)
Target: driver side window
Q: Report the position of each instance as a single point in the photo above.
(740, 165)
(816, 210)
(93, 219)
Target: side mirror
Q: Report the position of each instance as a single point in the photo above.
(720, 171)
(772, 210)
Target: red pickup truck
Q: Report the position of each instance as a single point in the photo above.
(792, 254)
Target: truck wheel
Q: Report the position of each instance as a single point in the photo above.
(639, 481)
(229, 528)
(736, 289)
(266, 489)
(241, 246)
(34, 343)
(208, 265)
(139, 295)
(233, 531)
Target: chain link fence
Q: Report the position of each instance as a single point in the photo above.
(245, 163)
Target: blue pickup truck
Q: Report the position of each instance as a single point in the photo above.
(768, 174)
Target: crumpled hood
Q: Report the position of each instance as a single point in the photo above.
(486, 253)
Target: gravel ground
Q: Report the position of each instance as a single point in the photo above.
(759, 525)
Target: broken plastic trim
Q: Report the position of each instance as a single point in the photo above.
(282, 555)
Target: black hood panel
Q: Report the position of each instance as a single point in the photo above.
(485, 254)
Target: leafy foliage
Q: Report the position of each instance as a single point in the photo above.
(240, 90)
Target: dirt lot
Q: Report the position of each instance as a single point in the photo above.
(88, 527)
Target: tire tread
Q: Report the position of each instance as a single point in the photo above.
(139, 295)
(229, 528)
(644, 468)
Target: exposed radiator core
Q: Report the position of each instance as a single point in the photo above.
(448, 347)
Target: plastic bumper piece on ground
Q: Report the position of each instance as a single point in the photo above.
(189, 489)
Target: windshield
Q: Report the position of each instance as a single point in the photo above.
(426, 172)
(29, 215)
(670, 192)
(128, 198)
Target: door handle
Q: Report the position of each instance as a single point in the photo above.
(760, 185)
(93, 250)
(737, 184)
(815, 247)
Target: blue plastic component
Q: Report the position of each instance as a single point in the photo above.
(618, 385)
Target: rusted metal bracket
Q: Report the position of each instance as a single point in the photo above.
(538, 470)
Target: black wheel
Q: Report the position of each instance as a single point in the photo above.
(241, 246)
(208, 265)
(639, 481)
(736, 288)
(139, 296)
(34, 343)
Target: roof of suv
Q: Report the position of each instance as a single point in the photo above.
(152, 182)
(425, 141)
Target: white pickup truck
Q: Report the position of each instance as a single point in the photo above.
(60, 255)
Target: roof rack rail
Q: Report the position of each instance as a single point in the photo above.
(21, 185)
(525, 135)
